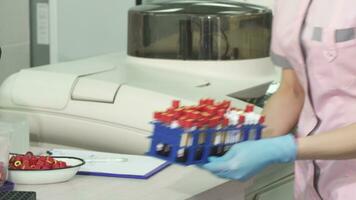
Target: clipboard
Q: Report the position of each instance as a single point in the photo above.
(114, 165)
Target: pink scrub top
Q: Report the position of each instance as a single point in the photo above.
(317, 39)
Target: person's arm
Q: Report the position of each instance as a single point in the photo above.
(283, 108)
(333, 145)
(282, 111)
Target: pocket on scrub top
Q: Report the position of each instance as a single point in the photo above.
(345, 37)
(344, 68)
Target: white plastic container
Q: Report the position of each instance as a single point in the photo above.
(19, 132)
(4, 154)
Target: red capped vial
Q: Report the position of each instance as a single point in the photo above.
(157, 116)
(214, 122)
(209, 101)
(225, 122)
(175, 104)
(242, 119)
(262, 119)
(249, 108)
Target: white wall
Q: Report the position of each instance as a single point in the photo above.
(14, 36)
(88, 28)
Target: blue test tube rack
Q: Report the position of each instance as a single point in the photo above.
(166, 142)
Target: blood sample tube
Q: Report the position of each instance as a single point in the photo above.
(186, 139)
(249, 108)
(175, 104)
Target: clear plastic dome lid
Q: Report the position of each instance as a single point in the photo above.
(199, 30)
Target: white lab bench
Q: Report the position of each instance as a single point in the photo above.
(173, 183)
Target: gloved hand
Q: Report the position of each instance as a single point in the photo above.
(246, 159)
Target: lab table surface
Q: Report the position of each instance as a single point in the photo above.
(173, 183)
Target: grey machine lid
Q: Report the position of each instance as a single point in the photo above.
(199, 30)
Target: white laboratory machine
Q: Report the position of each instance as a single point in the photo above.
(183, 50)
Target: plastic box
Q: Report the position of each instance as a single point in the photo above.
(4, 155)
(190, 134)
(166, 142)
(18, 127)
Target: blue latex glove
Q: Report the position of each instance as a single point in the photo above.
(246, 159)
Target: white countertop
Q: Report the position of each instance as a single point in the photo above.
(173, 183)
